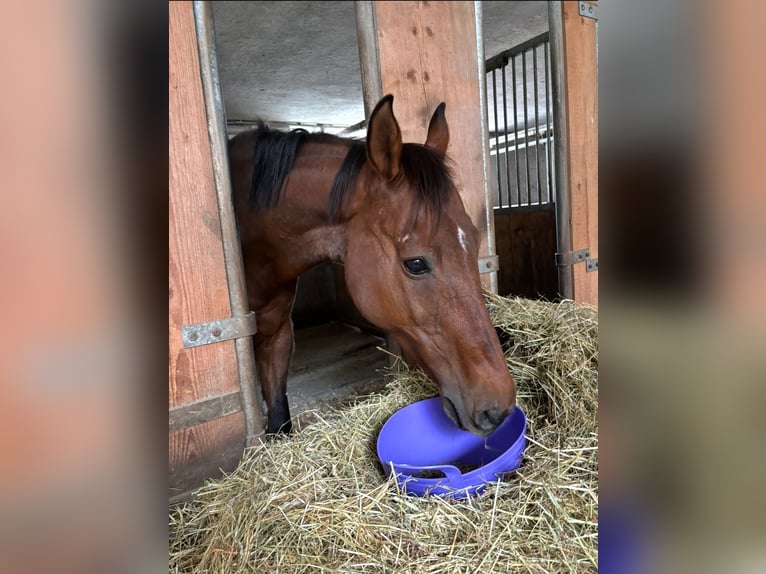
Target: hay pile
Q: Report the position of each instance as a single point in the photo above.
(319, 502)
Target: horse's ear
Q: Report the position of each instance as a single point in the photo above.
(384, 139)
(438, 131)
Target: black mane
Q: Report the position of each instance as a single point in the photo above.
(274, 154)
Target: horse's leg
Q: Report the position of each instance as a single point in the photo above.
(273, 349)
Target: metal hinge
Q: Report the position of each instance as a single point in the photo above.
(588, 10)
(489, 264)
(574, 257)
(219, 330)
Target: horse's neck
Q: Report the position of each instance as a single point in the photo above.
(326, 243)
(307, 191)
(305, 207)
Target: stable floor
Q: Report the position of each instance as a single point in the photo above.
(333, 361)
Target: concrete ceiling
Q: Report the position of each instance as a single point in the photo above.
(298, 62)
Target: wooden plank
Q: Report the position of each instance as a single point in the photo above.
(203, 411)
(330, 361)
(428, 53)
(582, 113)
(732, 218)
(205, 451)
(326, 345)
(526, 247)
(197, 277)
(198, 287)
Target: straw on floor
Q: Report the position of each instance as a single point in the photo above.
(319, 501)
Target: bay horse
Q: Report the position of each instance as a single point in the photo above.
(390, 213)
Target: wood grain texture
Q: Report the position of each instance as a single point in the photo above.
(526, 248)
(428, 54)
(198, 289)
(204, 411)
(582, 114)
(205, 451)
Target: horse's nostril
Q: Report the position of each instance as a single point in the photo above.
(489, 419)
(451, 410)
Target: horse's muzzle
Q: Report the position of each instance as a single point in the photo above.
(483, 423)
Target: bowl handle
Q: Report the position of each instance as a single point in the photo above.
(449, 471)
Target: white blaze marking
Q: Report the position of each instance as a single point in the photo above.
(461, 239)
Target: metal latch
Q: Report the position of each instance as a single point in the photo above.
(489, 264)
(588, 10)
(572, 257)
(591, 265)
(219, 330)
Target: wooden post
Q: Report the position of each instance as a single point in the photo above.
(425, 53)
(573, 51)
(207, 425)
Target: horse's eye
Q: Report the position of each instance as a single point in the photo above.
(416, 266)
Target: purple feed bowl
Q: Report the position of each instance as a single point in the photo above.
(432, 456)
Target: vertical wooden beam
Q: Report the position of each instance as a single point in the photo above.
(366, 32)
(425, 53)
(250, 391)
(577, 72)
(733, 216)
(197, 274)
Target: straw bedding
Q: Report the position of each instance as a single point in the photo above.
(319, 501)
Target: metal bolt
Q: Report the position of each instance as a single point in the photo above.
(193, 336)
(217, 332)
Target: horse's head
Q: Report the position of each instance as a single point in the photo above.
(412, 269)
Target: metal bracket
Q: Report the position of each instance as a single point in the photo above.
(219, 330)
(489, 264)
(206, 410)
(572, 257)
(588, 10)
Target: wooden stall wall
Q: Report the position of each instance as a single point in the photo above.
(425, 53)
(526, 246)
(581, 76)
(206, 375)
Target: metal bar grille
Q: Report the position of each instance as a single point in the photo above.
(494, 89)
(536, 81)
(515, 147)
(548, 133)
(507, 156)
(521, 119)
